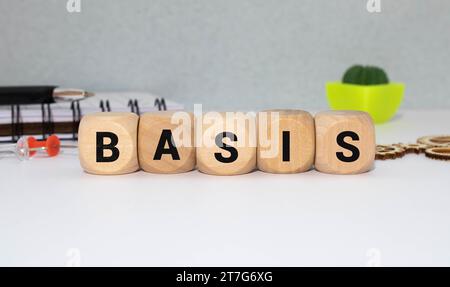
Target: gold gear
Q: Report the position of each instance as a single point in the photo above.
(414, 148)
(384, 152)
(435, 141)
(442, 153)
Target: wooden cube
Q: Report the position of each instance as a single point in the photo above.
(166, 142)
(226, 143)
(286, 141)
(107, 143)
(345, 142)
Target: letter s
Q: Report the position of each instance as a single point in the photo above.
(340, 141)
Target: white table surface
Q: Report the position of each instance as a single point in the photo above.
(52, 213)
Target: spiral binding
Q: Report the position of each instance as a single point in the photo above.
(161, 104)
(76, 117)
(16, 126)
(48, 124)
(104, 106)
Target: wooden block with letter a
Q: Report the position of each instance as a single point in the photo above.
(226, 143)
(166, 142)
(286, 141)
(107, 143)
(345, 142)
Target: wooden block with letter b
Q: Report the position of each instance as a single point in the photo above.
(166, 142)
(226, 143)
(286, 141)
(107, 143)
(345, 142)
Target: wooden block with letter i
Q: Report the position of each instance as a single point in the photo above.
(107, 143)
(286, 141)
(166, 142)
(226, 143)
(345, 142)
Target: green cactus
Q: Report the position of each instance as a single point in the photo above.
(368, 75)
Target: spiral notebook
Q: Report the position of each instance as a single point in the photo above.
(63, 119)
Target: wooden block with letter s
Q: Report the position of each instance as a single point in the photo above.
(286, 141)
(345, 142)
(226, 143)
(107, 143)
(166, 142)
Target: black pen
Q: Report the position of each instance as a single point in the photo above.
(25, 95)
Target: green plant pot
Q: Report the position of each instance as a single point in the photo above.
(380, 101)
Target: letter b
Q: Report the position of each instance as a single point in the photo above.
(101, 147)
(107, 143)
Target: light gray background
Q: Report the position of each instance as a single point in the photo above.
(228, 54)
